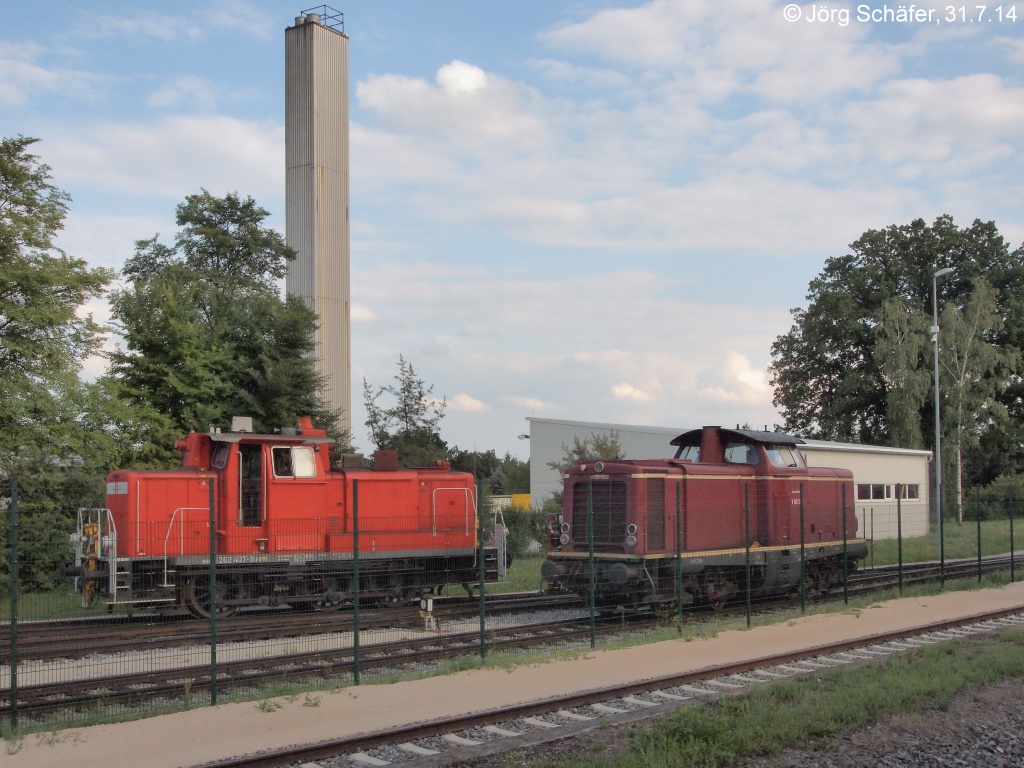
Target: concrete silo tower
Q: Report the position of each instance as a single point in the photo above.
(316, 189)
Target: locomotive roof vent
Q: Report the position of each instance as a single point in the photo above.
(241, 423)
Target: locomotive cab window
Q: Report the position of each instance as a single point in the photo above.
(740, 453)
(690, 452)
(294, 461)
(784, 456)
(220, 456)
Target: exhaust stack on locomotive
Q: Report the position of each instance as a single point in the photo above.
(284, 528)
(645, 519)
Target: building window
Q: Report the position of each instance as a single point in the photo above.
(912, 491)
(863, 491)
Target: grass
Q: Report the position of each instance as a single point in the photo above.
(774, 717)
(959, 541)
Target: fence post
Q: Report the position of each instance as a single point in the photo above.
(899, 538)
(846, 562)
(1010, 506)
(14, 603)
(355, 582)
(213, 594)
(942, 543)
(873, 530)
(746, 541)
(679, 553)
(803, 565)
(590, 549)
(483, 566)
(977, 513)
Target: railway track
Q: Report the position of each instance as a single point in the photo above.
(253, 649)
(530, 725)
(181, 686)
(78, 638)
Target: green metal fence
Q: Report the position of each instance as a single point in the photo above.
(358, 633)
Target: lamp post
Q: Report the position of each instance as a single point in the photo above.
(938, 431)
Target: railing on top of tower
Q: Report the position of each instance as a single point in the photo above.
(328, 17)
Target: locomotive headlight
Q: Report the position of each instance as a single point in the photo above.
(565, 527)
(631, 529)
(631, 541)
(599, 467)
(563, 539)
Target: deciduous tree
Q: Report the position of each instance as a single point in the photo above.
(207, 335)
(851, 367)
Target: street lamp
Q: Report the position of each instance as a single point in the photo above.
(938, 433)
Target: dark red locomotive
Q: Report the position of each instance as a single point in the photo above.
(720, 482)
(284, 528)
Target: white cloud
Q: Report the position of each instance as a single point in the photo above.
(173, 157)
(713, 52)
(213, 19)
(458, 77)
(625, 391)
(464, 402)
(23, 80)
(528, 403)
(361, 313)
(190, 91)
(1013, 46)
(108, 239)
(937, 128)
(567, 74)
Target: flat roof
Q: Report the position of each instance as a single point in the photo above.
(807, 442)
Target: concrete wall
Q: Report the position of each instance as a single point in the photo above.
(882, 469)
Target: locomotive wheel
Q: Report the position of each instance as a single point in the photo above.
(718, 589)
(334, 596)
(197, 596)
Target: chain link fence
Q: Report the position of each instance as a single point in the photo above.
(101, 623)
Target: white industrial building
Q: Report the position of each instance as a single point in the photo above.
(877, 470)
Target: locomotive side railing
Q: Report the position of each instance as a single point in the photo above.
(470, 503)
(181, 536)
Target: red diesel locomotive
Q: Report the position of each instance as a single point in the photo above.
(285, 524)
(718, 481)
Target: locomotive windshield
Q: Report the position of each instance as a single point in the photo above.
(690, 452)
(740, 453)
(784, 456)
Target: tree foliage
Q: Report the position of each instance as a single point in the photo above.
(411, 422)
(855, 365)
(42, 289)
(45, 441)
(971, 375)
(495, 475)
(207, 335)
(595, 446)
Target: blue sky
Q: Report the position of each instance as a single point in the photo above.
(599, 211)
